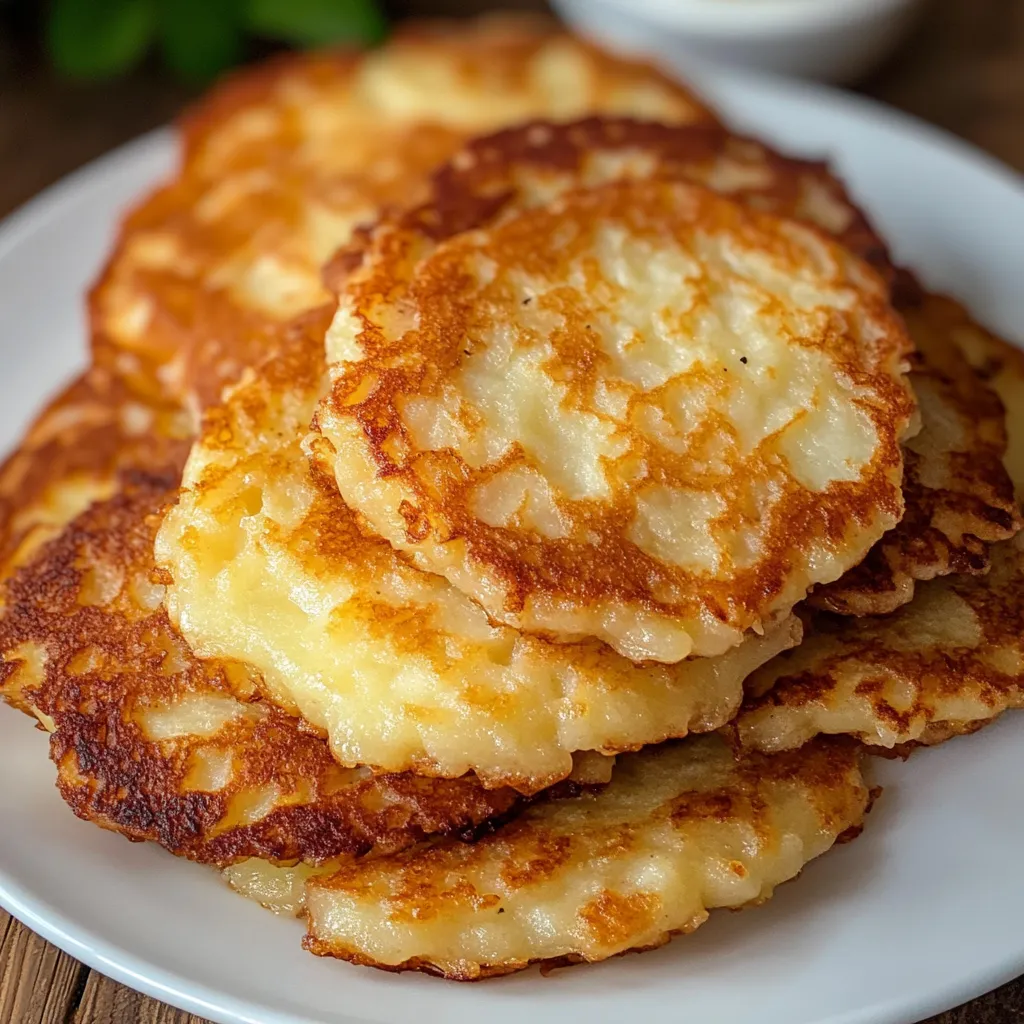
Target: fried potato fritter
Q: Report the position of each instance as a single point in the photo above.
(149, 740)
(282, 162)
(269, 566)
(958, 493)
(278, 166)
(154, 743)
(682, 829)
(250, 670)
(511, 404)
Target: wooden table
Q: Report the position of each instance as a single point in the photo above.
(964, 70)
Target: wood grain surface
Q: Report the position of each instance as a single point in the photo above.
(963, 70)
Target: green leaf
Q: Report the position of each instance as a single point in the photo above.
(98, 38)
(317, 22)
(200, 38)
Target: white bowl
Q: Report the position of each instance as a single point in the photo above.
(829, 40)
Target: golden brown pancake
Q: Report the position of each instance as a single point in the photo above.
(150, 740)
(267, 565)
(956, 490)
(949, 662)
(280, 163)
(398, 667)
(681, 830)
(154, 743)
(958, 493)
(512, 407)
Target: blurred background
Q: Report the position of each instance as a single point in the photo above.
(78, 77)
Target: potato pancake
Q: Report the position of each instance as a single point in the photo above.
(637, 410)
(681, 830)
(267, 565)
(150, 740)
(281, 162)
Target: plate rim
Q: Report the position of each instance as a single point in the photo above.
(168, 986)
(864, 108)
(47, 205)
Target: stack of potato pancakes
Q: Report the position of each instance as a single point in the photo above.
(505, 507)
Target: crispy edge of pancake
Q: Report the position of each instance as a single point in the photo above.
(959, 501)
(949, 662)
(566, 875)
(71, 455)
(911, 697)
(476, 181)
(156, 744)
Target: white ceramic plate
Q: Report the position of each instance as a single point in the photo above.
(925, 911)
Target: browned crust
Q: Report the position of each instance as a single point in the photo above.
(475, 183)
(479, 179)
